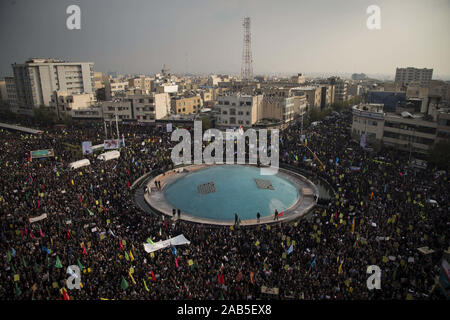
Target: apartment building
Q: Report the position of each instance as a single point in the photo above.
(443, 125)
(114, 87)
(138, 106)
(402, 130)
(405, 76)
(3, 93)
(340, 91)
(142, 82)
(238, 110)
(37, 80)
(186, 104)
(64, 104)
(313, 95)
(368, 119)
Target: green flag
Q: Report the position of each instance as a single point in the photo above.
(18, 291)
(126, 256)
(8, 254)
(149, 240)
(24, 262)
(58, 263)
(124, 284)
(80, 265)
(90, 212)
(145, 285)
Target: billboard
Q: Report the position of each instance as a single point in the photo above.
(169, 127)
(111, 144)
(86, 147)
(42, 153)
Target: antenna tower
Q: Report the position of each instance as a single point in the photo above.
(246, 68)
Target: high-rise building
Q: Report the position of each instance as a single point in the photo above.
(405, 76)
(37, 80)
(11, 93)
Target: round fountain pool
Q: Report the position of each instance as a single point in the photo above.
(218, 192)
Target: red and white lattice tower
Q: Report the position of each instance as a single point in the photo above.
(246, 68)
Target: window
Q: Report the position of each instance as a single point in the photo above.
(232, 120)
(232, 112)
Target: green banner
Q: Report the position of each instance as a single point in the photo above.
(42, 153)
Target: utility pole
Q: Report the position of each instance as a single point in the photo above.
(301, 129)
(117, 124)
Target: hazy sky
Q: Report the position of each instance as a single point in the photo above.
(203, 36)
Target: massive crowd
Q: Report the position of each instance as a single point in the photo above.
(380, 215)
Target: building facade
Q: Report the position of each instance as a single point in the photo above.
(405, 76)
(37, 80)
(238, 110)
(186, 104)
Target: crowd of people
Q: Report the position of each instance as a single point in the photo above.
(380, 215)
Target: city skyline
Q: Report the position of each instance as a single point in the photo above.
(200, 37)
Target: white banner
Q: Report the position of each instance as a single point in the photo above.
(39, 218)
(86, 147)
(169, 127)
(111, 144)
(176, 241)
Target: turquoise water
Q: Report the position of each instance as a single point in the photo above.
(237, 192)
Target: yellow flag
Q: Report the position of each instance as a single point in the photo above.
(131, 256)
(190, 262)
(73, 182)
(340, 268)
(353, 225)
(132, 279)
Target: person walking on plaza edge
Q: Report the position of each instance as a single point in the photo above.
(258, 216)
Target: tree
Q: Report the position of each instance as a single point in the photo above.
(439, 155)
(44, 115)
